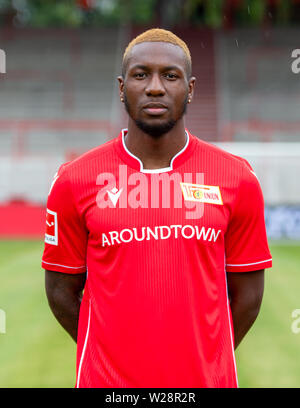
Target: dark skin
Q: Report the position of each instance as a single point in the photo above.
(64, 293)
(245, 291)
(156, 73)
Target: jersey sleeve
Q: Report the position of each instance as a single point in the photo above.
(246, 245)
(66, 234)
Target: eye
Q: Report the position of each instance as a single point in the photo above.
(140, 75)
(171, 76)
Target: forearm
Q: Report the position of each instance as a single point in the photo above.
(66, 310)
(64, 294)
(243, 317)
(245, 292)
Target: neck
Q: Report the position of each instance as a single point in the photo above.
(155, 153)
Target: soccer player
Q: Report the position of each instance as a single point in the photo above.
(164, 235)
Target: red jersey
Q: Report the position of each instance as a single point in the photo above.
(156, 245)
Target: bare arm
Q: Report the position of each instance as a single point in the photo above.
(245, 293)
(64, 292)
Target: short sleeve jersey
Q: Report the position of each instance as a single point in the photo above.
(156, 246)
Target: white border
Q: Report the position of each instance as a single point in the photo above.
(64, 266)
(84, 346)
(230, 328)
(248, 264)
(162, 170)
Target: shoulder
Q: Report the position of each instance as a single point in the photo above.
(87, 160)
(222, 158)
(221, 154)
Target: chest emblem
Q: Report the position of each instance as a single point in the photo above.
(201, 193)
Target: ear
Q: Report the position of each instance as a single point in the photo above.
(192, 82)
(121, 87)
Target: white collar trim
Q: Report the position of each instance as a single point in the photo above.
(162, 170)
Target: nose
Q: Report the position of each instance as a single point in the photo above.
(155, 86)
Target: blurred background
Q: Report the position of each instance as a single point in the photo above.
(59, 97)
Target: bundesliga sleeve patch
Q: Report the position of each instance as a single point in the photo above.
(201, 193)
(51, 235)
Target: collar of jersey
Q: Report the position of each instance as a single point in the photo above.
(134, 162)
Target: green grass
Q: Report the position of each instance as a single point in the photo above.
(269, 354)
(37, 352)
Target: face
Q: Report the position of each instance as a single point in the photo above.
(156, 87)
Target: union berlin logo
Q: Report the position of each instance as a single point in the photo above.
(201, 193)
(156, 190)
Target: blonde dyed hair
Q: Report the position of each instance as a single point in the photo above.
(158, 35)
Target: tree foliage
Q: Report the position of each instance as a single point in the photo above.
(211, 13)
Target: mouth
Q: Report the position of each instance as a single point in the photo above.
(155, 109)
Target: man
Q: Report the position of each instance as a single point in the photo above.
(164, 232)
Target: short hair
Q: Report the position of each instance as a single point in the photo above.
(158, 35)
